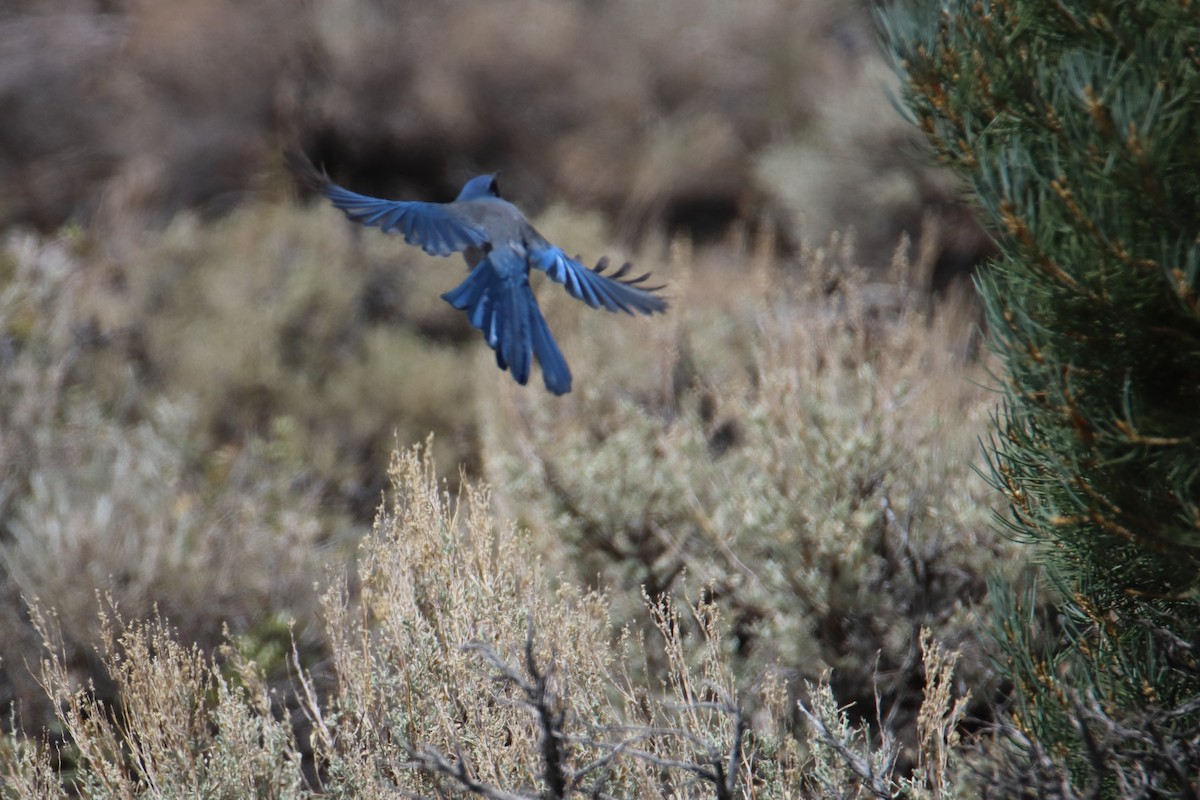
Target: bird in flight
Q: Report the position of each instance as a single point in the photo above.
(500, 248)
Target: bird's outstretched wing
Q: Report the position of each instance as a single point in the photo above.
(430, 226)
(613, 292)
(434, 227)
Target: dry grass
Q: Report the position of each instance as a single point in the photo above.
(458, 671)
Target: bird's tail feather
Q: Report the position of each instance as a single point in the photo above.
(505, 311)
(555, 372)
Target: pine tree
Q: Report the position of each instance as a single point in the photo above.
(1077, 127)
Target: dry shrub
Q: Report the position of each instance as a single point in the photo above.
(277, 314)
(108, 488)
(458, 672)
(800, 449)
(114, 504)
(846, 761)
(803, 448)
(177, 726)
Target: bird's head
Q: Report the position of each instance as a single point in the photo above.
(479, 187)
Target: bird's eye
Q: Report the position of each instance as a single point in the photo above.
(494, 188)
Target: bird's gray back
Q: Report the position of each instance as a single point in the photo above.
(504, 222)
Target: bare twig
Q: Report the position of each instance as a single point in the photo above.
(433, 761)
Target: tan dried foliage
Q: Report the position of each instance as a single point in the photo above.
(429, 691)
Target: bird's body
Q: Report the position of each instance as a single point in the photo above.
(501, 248)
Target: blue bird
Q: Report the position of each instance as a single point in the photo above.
(500, 247)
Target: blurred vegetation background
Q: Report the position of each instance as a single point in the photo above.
(205, 373)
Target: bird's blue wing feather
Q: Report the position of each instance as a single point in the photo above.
(433, 227)
(592, 286)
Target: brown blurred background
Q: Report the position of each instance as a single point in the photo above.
(677, 116)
